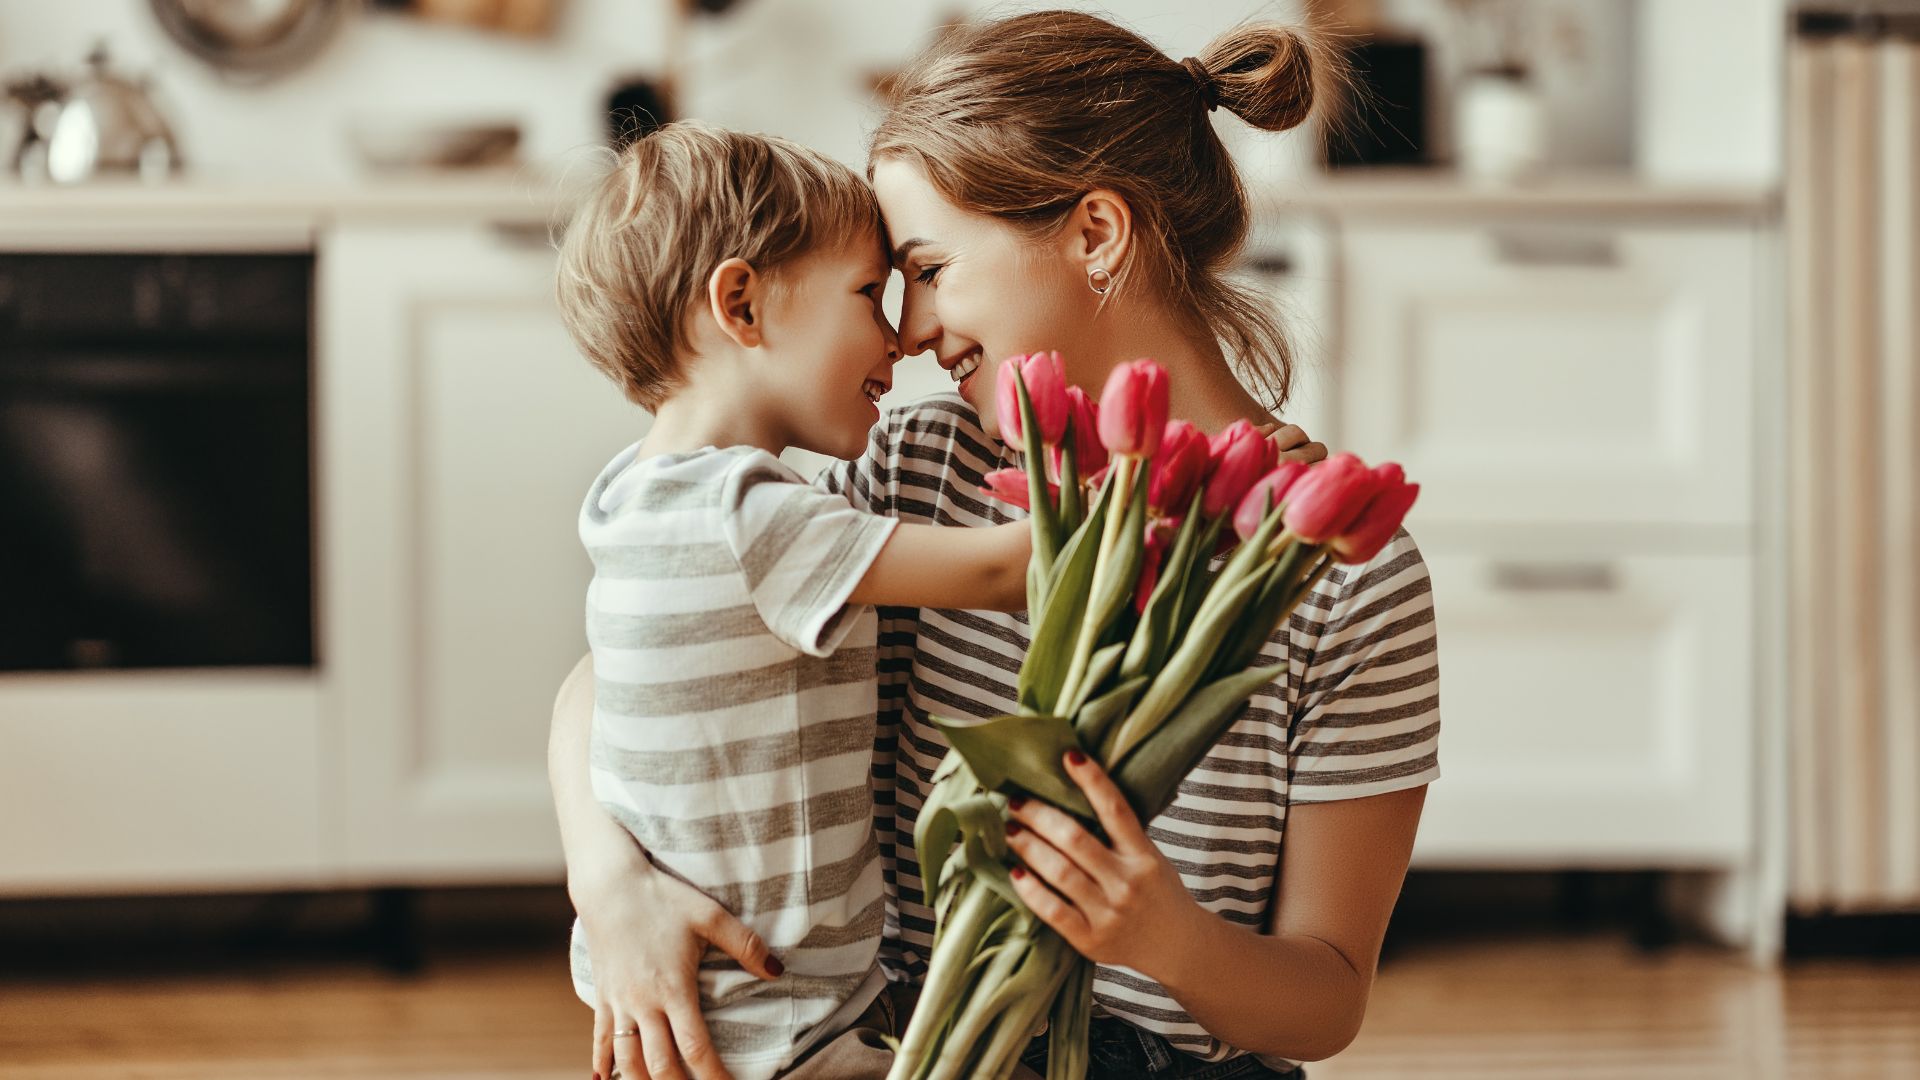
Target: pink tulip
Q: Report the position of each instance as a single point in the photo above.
(1178, 467)
(1046, 389)
(1241, 456)
(1010, 486)
(1329, 498)
(1159, 539)
(1089, 456)
(1380, 521)
(1133, 408)
(1266, 493)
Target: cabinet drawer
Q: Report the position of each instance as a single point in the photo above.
(1594, 711)
(1554, 373)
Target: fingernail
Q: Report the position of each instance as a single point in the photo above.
(1018, 872)
(775, 967)
(1013, 828)
(1016, 802)
(1075, 757)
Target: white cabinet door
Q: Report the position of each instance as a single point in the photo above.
(459, 431)
(1594, 711)
(1554, 373)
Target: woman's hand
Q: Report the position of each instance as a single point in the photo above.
(1294, 444)
(1120, 903)
(645, 936)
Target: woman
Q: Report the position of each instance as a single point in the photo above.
(1051, 180)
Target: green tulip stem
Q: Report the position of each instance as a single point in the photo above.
(1121, 482)
(1044, 515)
(946, 976)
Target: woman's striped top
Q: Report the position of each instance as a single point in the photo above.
(1357, 715)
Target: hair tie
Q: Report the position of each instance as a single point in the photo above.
(1209, 89)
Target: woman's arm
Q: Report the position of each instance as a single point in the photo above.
(645, 930)
(940, 566)
(1341, 869)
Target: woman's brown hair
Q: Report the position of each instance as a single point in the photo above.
(1020, 117)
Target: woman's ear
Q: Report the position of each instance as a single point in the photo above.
(735, 292)
(1100, 231)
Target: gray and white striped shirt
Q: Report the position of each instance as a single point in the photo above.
(733, 723)
(1357, 715)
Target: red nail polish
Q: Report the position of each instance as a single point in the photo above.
(1075, 757)
(1013, 828)
(775, 967)
(1018, 872)
(1016, 802)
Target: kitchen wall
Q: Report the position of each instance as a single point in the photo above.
(800, 69)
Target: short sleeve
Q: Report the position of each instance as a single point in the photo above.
(865, 481)
(1367, 715)
(801, 549)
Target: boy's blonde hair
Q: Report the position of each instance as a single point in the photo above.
(676, 204)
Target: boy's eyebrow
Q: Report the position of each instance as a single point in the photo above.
(906, 248)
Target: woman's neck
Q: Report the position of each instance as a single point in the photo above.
(1202, 389)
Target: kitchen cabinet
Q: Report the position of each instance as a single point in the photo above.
(1577, 392)
(459, 431)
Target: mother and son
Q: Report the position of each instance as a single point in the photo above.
(738, 764)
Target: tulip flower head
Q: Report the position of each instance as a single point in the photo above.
(1089, 455)
(1380, 520)
(1266, 493)
(1241, 456)
(1046, 389)
(1010, 486)
(1328, 498)
(1133, 408)
(1179, 466)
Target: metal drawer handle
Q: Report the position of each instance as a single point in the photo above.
(1550, 247)
(1553, 577)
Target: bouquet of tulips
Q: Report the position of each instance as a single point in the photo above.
(1162, 562)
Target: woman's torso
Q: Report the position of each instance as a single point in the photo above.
(1357, 714)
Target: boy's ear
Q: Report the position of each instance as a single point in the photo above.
(735, 292)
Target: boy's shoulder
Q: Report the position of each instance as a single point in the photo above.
(634, 487)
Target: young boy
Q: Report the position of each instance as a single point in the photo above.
(731, 284)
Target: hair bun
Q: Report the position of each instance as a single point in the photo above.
(1264, 74)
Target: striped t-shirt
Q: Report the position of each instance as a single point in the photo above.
(1357, 715)
(733, 723)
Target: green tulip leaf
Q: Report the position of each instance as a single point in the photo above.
(1096, 717)
(1020, 752)
(1055, 625)
(1098, 669)
(1152, 772)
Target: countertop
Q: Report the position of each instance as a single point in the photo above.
(216, 214)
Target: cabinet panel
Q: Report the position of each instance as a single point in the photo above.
(143, 781)
(461, 432)
(1594, 711)
(1563, 374)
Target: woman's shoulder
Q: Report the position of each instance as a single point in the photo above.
(1364, 684)
(941, 432)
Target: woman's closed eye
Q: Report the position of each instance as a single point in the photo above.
(928, 273)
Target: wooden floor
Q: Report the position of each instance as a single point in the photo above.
(1543, 1006)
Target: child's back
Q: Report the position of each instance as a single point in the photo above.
(733, 721)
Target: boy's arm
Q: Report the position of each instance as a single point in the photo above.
(938, 566)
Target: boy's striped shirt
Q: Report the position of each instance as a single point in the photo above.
(1357, 715)
(733, 722)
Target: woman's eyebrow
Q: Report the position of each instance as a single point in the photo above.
(906, 248)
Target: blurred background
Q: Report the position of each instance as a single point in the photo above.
(1629, 284)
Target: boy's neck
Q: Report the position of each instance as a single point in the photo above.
(698, 415)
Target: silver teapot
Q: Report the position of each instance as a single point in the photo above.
(106, 124)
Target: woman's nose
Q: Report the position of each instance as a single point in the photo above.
(919, 330)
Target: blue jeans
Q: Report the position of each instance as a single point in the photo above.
(1117, 1050)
